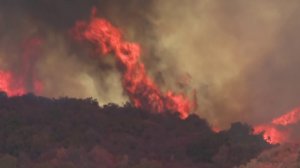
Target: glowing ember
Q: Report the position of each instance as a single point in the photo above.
(278, 131)
(141, 89)
(216, 129)
(15, 84)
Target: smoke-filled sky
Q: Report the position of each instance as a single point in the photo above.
(240, 57)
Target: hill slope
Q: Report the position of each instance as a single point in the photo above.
(38, 132)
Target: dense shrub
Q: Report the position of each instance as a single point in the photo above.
(39, 132)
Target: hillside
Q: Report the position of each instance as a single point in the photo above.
(38, 132)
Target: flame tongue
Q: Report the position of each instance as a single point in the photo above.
(18, 84)
(141, 89)
(278, 131)
(289, 118)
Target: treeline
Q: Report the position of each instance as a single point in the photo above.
(38, 132)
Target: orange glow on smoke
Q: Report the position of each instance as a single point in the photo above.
(142, 91)
(15, 84)
(216, 129)
(278, 131)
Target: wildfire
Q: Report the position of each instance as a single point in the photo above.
(278, 131)
(15, 84)
(9, 85)
(142, 91)
(289, 118)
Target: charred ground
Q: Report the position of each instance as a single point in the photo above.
(76, 133)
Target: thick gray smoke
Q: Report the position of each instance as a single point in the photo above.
(240, 57)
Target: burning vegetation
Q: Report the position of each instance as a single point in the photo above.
(25, 80)
(142, 91)
(160, 125)
(281, 129)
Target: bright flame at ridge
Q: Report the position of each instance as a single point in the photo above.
(142, 91)
(15, 84)
(278, 131)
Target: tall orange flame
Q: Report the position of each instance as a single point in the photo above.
(142, 91)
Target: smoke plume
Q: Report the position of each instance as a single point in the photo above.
(242, 56)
